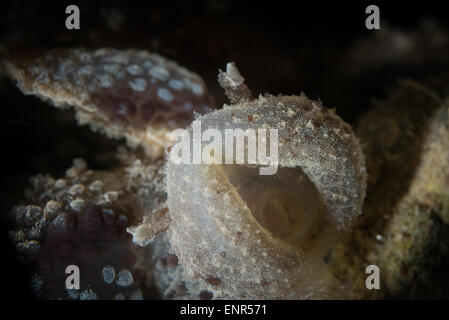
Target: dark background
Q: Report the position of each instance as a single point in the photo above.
(279, 46)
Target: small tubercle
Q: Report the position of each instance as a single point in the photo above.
(156, 223)
(234, 84)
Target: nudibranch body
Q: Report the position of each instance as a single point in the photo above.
(230, 232)
(124, 93)
(80, 220)
(245, 235)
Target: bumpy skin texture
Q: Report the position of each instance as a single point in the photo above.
(214, 236)
(403, 228)
(124, 93)
(81, 220)
(213, 231)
